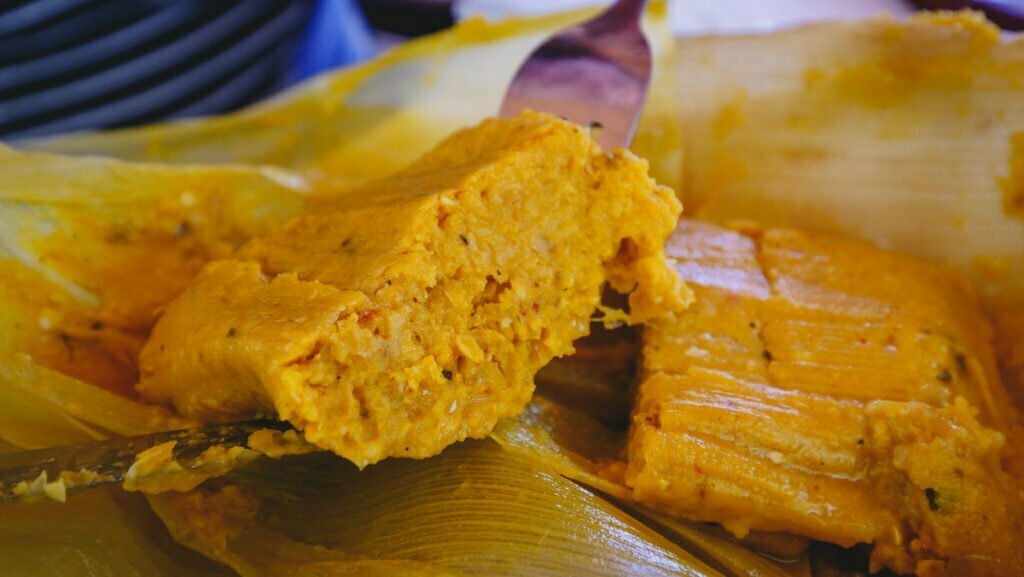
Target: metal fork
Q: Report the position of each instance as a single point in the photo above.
(594, 74)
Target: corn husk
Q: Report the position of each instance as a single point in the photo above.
(93, 412)
(721, 551)
(90, 248)
(899, 133)
(41, 408)
(539, 517)
(98, 533)
(567, 441)
(474, 510)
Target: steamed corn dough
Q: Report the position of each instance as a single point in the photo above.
(415, 312)
(831, 390)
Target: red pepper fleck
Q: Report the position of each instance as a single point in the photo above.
(368, 315)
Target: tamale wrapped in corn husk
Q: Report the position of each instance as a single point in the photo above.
(770, 127)
(904, 134)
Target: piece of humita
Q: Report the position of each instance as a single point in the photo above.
(399, 318)
(832, 390)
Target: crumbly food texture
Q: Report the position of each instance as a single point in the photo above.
(399, 318)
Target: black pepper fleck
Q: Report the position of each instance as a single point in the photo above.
(933, 498)
(345, 246)
(464, 240)
(66, 340)
(944, 376)
(232, 332)
(447, 374)
(961, 362)
(860, 441)
(767, 355)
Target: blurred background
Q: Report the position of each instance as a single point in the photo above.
(73, 65)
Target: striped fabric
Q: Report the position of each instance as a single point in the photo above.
(70, 65)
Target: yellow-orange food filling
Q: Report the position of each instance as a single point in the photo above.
(402, 317)
(832, 390)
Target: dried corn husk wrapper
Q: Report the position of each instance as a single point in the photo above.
(909, 135)
(901, 133)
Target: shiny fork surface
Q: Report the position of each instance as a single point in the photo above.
(594, 74)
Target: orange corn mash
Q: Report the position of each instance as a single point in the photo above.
(413, 313)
